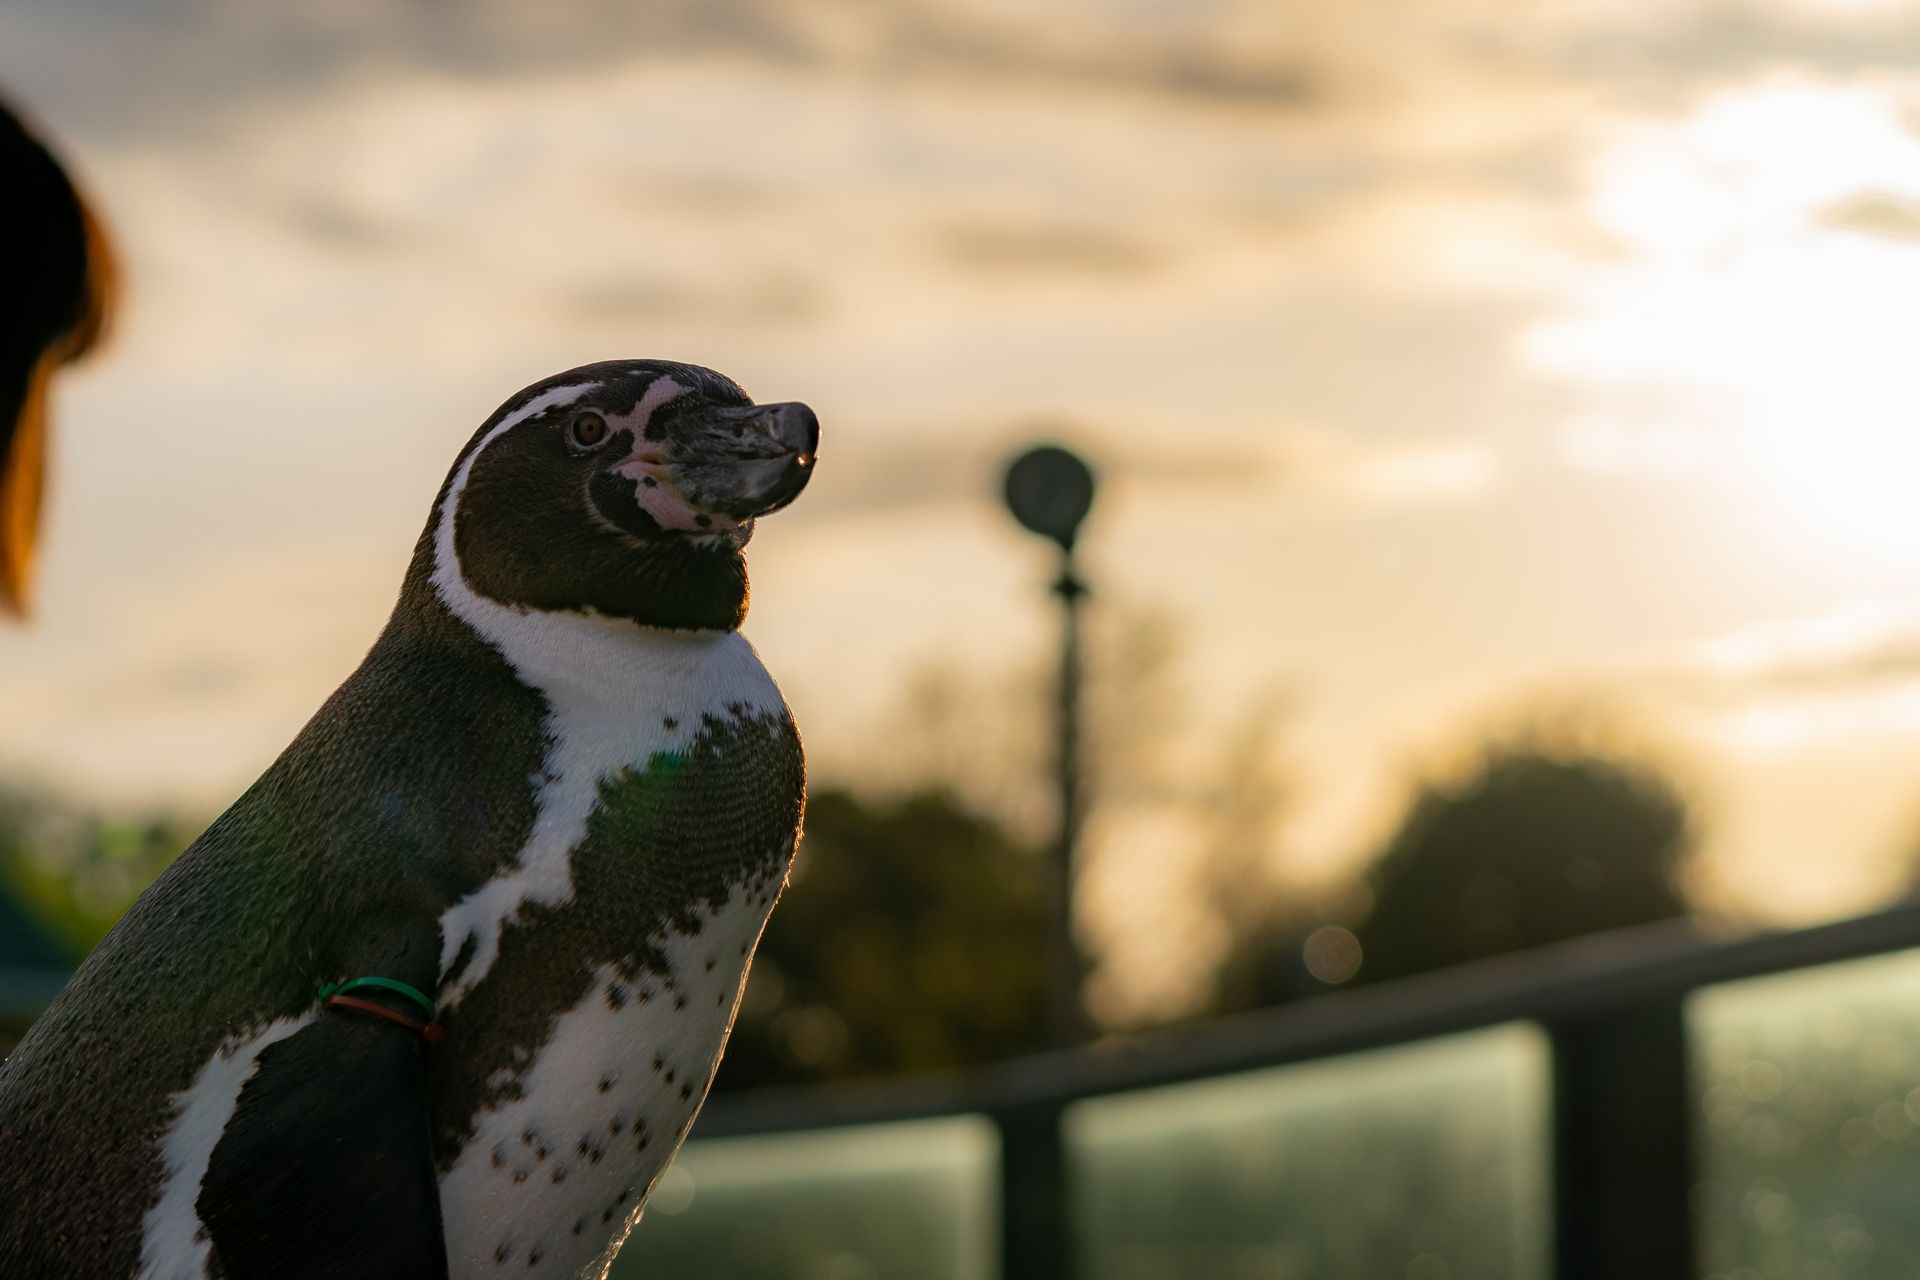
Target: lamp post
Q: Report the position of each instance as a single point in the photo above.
(1050, 490)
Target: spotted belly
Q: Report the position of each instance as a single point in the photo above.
(559, 1165)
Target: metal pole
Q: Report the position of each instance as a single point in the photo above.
(1036, 1231)
(1623, 1144)
(1049, 490)
(1066, 1016)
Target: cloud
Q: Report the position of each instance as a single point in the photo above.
(1025, 248)
(1863, 643)
(1444, 471)
(125, 70)
(1668, 446)
(768, 298)
(337, 225)
(1876, 214)
(169, 51)
(1670, 52)
(189, 687)
(165, 55)
(1324, 468)
(934, 467)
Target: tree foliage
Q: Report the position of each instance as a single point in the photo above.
(67, 873)
(1535, 847)
(909, 938)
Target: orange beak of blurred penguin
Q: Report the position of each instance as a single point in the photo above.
(59, 285)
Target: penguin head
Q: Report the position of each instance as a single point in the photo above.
(626, 489)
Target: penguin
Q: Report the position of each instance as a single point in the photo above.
(441, 993)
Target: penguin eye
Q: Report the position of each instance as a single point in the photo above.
(588, 430)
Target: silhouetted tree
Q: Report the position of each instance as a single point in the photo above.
(909, 938)
(73, 870)
(65, 877)
(1239, 871)
(26, 937)
(1533, 848)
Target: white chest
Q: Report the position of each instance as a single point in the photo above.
(618, 696)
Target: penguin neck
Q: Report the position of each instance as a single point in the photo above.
(679, 586)
(671, 581)
(583, 648)
(672, 587)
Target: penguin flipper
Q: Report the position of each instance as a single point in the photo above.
(326, 1169)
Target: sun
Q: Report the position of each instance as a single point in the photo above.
(1756, 325)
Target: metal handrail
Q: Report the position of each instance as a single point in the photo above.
(1566, 981)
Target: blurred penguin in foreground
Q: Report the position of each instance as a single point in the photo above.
(56, 288)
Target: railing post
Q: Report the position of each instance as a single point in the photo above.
(1622, 1151)
(1034, 1240)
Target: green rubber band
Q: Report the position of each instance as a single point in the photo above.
(388, 984)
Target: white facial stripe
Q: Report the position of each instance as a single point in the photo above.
(448, 581)
(551, 398)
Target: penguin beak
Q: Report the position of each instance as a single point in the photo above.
(745, 461)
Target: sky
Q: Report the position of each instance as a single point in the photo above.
(1441, 362)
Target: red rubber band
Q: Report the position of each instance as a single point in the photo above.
(427, 1031)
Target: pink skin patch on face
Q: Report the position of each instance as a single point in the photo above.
(646, 466)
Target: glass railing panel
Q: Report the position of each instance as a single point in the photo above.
(915, 1200)
(1809, 1123)
(1420, 1162)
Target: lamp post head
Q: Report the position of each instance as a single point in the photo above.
(1050, 490)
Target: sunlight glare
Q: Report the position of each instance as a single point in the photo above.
(1784, 334)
